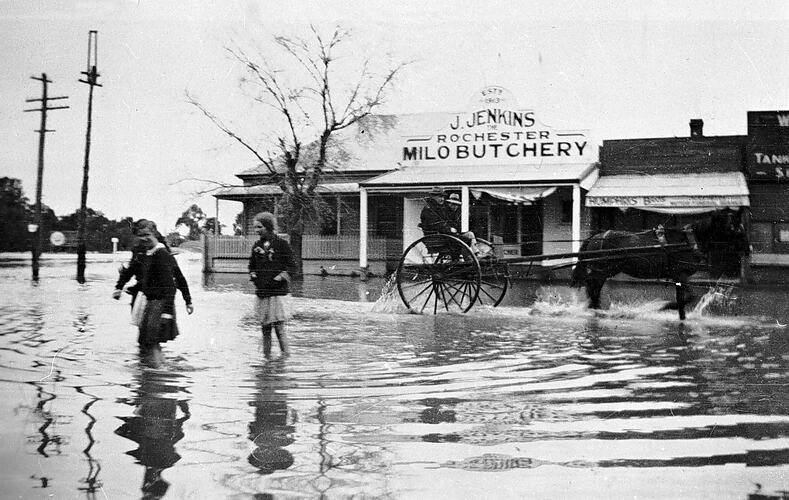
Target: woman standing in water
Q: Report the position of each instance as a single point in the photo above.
(157, 323)
(271, 266)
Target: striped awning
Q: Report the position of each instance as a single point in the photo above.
(519, 195)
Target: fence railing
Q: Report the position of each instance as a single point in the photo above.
(313, 247)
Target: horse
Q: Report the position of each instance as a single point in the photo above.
(677, 253)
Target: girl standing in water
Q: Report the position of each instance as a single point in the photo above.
(157, 323)
(271, 266)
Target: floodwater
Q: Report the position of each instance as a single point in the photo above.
(540, 398)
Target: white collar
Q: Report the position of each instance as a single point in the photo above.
(155, 249)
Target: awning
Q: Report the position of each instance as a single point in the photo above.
(671, 193)
(521, 195)
(242, 192)
(416, 178)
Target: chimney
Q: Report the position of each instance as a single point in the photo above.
(696, 127)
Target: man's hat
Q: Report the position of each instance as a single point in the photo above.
(454, 199)
(437, 191)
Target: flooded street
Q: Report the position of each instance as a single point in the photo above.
(540, 398)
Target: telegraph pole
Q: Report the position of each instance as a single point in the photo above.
(91, 75)
(36, 227)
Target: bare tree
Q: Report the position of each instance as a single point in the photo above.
(311, 100)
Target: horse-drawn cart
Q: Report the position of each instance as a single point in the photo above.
(440, 272)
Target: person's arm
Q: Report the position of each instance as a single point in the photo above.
(288, 262)
(125, 274)
(182, 285)
(432, 220)
(252, 264)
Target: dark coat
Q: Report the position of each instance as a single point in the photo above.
(269, 258)
(158, 278)
(436, 218)
(134, 269)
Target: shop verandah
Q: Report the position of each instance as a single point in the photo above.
(331, 243)
(521, 220)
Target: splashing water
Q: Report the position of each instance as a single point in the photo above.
(552, 301)
(718, 294)
(389, 301)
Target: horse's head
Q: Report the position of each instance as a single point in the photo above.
(729, 232)
(720, 234)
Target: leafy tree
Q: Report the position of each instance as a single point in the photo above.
(211, 227)
(174, 239)
(194, 219)
(124, 233)
(15, 214)
(238, 225)
(313, 98)
(98, 229)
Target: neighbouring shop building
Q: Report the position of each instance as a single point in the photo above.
(768, 180)
(651, 181)
(521, 184)
(646, 182)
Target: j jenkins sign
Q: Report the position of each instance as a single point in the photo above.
(496, 132)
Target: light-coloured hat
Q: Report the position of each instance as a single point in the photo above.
(454, 199)
(437, 191)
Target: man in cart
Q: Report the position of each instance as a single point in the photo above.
(435, 217)
(441, 215)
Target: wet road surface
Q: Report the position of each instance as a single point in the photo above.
(538, 399)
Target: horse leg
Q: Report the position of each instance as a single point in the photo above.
(679, 287)
(593, 289)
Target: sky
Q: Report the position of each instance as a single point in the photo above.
(620, 69)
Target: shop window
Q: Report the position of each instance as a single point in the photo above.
(329, 217)
(387, 216)
(567, 211)
(478, 220)
(783, 232)
(770, 237)
(781, 237)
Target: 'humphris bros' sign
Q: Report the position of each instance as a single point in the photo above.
(495, 132)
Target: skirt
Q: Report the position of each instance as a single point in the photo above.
(272, 309)
(153, 329)
(138, 308)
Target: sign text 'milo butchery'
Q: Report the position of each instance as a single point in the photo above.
(496, 136)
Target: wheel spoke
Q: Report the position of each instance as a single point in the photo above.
(413, 284)
(441, 287)
(423, 290)
(454, 295)
(427, 299)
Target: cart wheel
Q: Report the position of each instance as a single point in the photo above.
(438, 272)
(494, 282)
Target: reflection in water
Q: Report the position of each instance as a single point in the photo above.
(543, 397)
(91, 480)
(156, 426)
(319, 287)
(271, 431)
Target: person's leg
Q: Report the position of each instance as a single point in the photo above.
(279, 327)
(151, 355)
(266, 339)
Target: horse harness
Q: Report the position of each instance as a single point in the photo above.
(687, 229)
